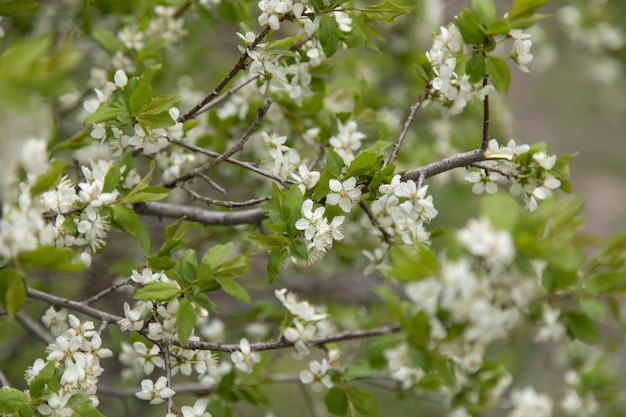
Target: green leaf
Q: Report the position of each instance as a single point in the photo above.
(292, 208)
(49, 178)
(411, 264)
(299, 251)
(328, 35)
(158, 105)
(217, 255)
(525, 8)
(363, 402)
(112, 178)
(149, 72)
(185, 321)
(499, 27)
(107, 40)
(13, 401)
(336, 402)
(153, 193)
(334, 162)
(205, 16)
(139, 98)
(269, 242)
(51, 258)
(385, 12)
(470, 27)
(12, 290)
(485, 10)
(275, 263)
(499, 72)
(83, 407)
(475, 68)
(106, 113)
(580, 326)
(232, 287)
(364, 162)
(43, 378)
(128, 221)
(161, 120)
(418, 330)
(157, 291)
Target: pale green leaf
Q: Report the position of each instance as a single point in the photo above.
(385, 12)
(328, 35)
(217, 255)
(525, 8)
(485, 10)
(499, 72)
(336, 401)
(157, 291)
(232, 287)
(127, 220)
(106, 113)
(185, 320)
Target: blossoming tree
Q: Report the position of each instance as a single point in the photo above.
(193, 188)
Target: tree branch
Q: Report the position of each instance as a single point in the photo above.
(72, 305)
(39, 331)
(199, 214)
(407, 124)
(436, 168)
(486, 120)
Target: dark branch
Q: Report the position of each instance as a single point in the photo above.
(436, 168)
(407, 124)
(199, 214)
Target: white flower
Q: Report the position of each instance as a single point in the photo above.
(55, 321)
(299, 334)
(527, 403)
(343, 194)
(481, 239)
(317, 374)
(551, 329)
(198, 409)
(300, 309)
(544, 161)
(306, 179)
(155, 392)
(483, 181)
(521, 53)
(311, 220)
(120, 78)
(244, 359)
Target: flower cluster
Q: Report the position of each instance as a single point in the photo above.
(318, 232)
(306, 318)
(77, 350)
(478, 296)
(402, 209)
(318, 373)
(454, 91)
(530, 171)
(245, 358)
(400, 366)
(346, 141)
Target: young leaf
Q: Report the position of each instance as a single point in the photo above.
(149, 72)
(499, 27)
(475, 68)
(275, 263)
(217, 255)
(499, 72)
(39, 382)
(49, 178)
(364, 162)
(485, 10)
(128, 221)
(328, 35)
(232, 287)
(385, 12)
(185, 321)
(580, 326)
(12, 290)
(157, 105)
(299, 251)
(525, 8)
(292, 208)
(363, 402)
(105, 113)
(336, 402)
(13, 401)
(334, 162)
(470, 27)
(157, 291)
(139, 98)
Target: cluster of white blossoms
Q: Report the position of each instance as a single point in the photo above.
(77, 350)
(534, 181)
(141, 137)
(319, 233)
(402, 209)
(346, 141)
(527, 402)
(454, 91)
(245, 358)
(520, 54)
(285, 159)
(272, 11)
(306, 322)
(400, 366)
(478, 295)
(318, 373)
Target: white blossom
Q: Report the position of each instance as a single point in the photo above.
(155, 392)
(527, 403)
(244, 358)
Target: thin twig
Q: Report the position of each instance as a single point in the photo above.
(35, 328)
(230, 204)
(212, 183)
(508, 174)
(238, 146)
(227, 94)
(407, 124)
(165, 350)
(239, 65)
(486, 120)
(375, 222)
(246, 165)
(107, 291)
(72, 305)
(199, 214)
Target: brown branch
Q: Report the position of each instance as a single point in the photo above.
(72, 305)
(107, 291)
(507, 174)
(246, 165)
(407, 124)
(239, 65)
(35, 328)
(436, 168)
(375, 222)
(199, 214)
(238, 146)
